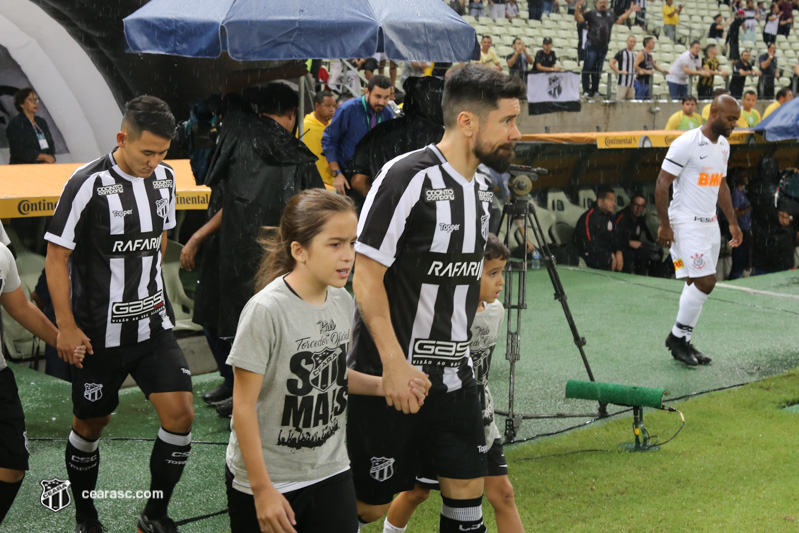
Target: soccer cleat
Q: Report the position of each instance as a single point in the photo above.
(218, 395)
(156, 525)
(225, 409)
(680, 350)
(701, 358)
(90, 526)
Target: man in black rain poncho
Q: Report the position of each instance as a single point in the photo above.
(259, 165)
(422, 124)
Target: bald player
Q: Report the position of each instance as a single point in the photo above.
(696, 164)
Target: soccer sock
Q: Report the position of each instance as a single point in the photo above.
(461, 515)
(83, 465)
(691, 303)
(170, 453)
(8, 491)
(388, 527)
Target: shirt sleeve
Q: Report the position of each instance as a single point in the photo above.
(8, 270)
(255, 339)
(171, 217)
(678, 155)
(331, 135)
(674, 121)
(68, 216)
(384, 218)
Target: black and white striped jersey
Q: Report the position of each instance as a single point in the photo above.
(113, 223)
(428, 225)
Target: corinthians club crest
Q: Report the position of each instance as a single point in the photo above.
(55, 494)
(382, 468)
(555, 87)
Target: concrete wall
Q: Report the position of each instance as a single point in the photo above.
(608, 116)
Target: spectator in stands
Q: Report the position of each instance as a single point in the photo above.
(750, 22)
(671, 18)
(783, 95)
(368, 65)
(716, 30)
(638, 244)
(392, 67)
(582, 34)
(770, 72)
(488, 56)
(314, 126)
(687, 118)
(687, 64)
(570, 4)
(710, 64)
(600, 25)
(640, 17)
(761, 11)
(547, 6)
(29, 139)
(742, 254)
(733, 53)
(595, 234)
(775, 239)
(350, 123)
(623, 64)
(706, 110)
(413, 69)
(786, 22)
(476, 8)
(645, 67)
(512, 10)
(545, 59)
(496, 9)
(620, 6)
(740, 70)
(749, 115)
(520, 62)
(772, 27)
(535, 9)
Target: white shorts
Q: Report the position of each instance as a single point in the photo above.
(695, 250)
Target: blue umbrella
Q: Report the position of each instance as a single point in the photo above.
(301, 29)
(782, 124)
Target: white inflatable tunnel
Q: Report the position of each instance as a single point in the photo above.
(62, 74)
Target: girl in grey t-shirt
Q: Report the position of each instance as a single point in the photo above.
(287, 463)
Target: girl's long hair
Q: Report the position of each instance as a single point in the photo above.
(305, 215)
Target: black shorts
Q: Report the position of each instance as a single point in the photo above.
(13, 439)
(388, 448)
(497, 466)
(370, 64)
(330, 502)
(157, 365)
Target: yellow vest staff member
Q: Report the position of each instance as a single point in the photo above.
(313, 127)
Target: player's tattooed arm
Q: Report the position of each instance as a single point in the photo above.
(370, 293)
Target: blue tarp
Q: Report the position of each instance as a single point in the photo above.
(301, 29)
(782, 124)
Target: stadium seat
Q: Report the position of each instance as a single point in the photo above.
(564, 210)
(622, 198)
(182, 305)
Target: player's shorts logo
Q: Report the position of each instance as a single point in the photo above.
(161, 207)
(55, 494)
(382, 468)
(698, 261)
(92, 391)
(325, 369)
(678, 264)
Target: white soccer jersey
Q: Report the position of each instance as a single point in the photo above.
(699, 165)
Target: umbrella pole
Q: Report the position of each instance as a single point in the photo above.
(301, 107)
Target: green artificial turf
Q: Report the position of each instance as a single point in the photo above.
(731, 468)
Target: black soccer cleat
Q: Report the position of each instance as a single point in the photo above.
(156, 525)
(218, 395)
(225, 409)
(90, 526)
(680, 350)
(701, 358)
